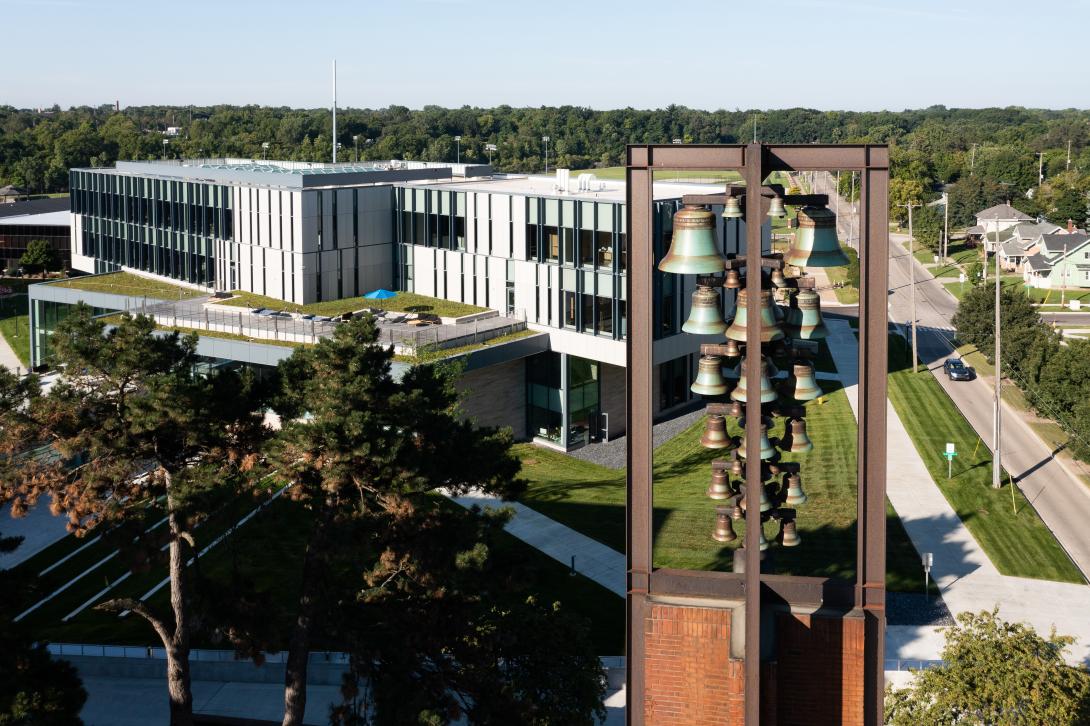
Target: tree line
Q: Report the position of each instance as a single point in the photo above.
(367, 555)
(984, 155)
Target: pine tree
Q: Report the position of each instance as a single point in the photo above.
(132, 424)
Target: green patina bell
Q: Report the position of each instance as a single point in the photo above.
(732, 209)
(724, 527)
(802, 386)
(705, 317)
(715, 433)
(795, 495)
(770, 329)
(719, 488)
(803, 318)
(816, 243)
(789, 534)
(765, 502)
(768, 394)
(797, 440)
(767, 450)
(762, 543)
(709, 377)
(694, 249)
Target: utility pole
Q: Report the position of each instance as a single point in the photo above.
(1040, 169)
(972, 161)
(997, 482)
(1063, 288)
(546, 140)
(945, 225)
(1069, 155)
(334, 110)
(912, 282)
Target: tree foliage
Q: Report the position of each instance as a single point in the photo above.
(995, 672)
(38, 257)
(34, 688)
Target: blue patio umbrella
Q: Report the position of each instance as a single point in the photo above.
(380, 294)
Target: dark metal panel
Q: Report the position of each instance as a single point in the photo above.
(693, 156)
(803, 157)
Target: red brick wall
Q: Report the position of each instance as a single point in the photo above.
(819, 669)
(691, 680)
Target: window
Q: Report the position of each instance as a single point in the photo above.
(543, 410)
(532, 250)
(552, 243)
(674, 382)
(583, 394)
(569, 245)
(569, 310)
(604, 249)
(587, 303)
(586, 248)
(605, 316)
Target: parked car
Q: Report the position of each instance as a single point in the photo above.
(956, 370)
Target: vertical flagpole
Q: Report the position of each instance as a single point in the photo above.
(334, 110)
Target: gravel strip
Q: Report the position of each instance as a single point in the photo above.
(612, 454)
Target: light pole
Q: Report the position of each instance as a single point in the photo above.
(1040, 169)
(165, 142)
(945, 225)
(490, 148)
(458, 150)
(912, 281)
(546, 140)
(264, 150)
(356, 145)
(996, 464)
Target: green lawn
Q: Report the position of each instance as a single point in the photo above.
(402, 302)
(126, 283)
(590, 499)
(15, 318)
(1017, 542)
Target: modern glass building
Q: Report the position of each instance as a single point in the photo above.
(548, 251)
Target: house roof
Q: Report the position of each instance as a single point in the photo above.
(975, 229)
(1002, 211)
(1012, 249)
(1038, 263)
(1003, 234)
(1033, 230)
(1055, 244)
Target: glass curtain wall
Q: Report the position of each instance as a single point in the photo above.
(544, 411)
(583, 397)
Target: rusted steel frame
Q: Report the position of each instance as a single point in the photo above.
(721, 198)
(789, 590)
(871, 447)
(754, 175)
(640, 211)
(780, 157)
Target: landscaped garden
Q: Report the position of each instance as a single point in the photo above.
(126, 283)
(402, 302)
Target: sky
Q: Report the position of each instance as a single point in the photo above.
(825, 54)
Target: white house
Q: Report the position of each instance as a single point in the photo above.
(1062, 261)
(995, 220)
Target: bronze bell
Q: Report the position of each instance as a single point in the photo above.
(768, 394)
(705, 317)
(778, 279)
(795, 495)
(709, 377)
(694, 249)
(732, 349)
(802, 386)
(776, 208)
(720, 485)
(767, 450)
(803, 320)
(715, 433)
(724, 527)
(736, 410)
(765, 502)
(733, 280)
(789, 534)
(770, 328)
(816, 243)
(761, 541)
(797, 441)
(736, 512)
(732, 209)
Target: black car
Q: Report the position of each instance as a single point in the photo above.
(957, 371)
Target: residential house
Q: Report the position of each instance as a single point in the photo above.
(1063, 260)
(995, 220)
(1020, 241)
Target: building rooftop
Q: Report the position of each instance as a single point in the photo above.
(44, 219)
(1055, 244)
(591, 188)
(294, 174)
(1002, 211)
(35, 206)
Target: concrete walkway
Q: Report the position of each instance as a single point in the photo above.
(8, 359)
(968, 580)
(593, 560)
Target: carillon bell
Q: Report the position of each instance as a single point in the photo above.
(778, 279)
(736, 410)
(796, 497)
(770, 329)
(797, 441)
(694, 249)
(802, 385)
(737, 467)
(767, 450)
(709, 377)
(776, 208)
(816, 243)
(768, 394)
(724, 527)
(732, 349)
(804, 321)
(705, 317)
(733, 280)
(789, 533)
(765, 503)
(761, 541)
(736, 511)
(715, 433)
(720, 485)
(732, 209)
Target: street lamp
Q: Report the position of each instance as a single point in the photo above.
(165, 142)
(356, 144)
(458, 150)
(264, 150)
(546, 140)
(490, 148)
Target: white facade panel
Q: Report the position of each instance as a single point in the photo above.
(501, 226)
(518, 238)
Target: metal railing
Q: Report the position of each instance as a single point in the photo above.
(911, 664)
(154, 653)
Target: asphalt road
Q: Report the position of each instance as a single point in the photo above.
(1062, 501)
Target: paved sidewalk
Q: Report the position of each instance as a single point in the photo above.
(8, 359)
(965, 576)
(593, 560)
